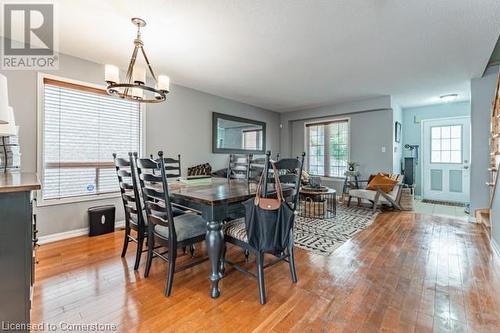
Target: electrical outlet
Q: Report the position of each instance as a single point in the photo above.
(383, 149)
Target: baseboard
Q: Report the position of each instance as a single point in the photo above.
(70, 234)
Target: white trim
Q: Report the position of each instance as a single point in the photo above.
(70, 200)
(71, 234)
(495, 247)
(323, 120)
(472, 219)
(39, 144)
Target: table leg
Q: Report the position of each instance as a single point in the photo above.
(215, 242)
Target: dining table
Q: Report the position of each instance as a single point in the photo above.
(216, 201)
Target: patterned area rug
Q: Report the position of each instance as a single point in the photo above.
(323, 236)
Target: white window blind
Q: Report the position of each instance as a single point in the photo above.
(82, 128)
(328, 148)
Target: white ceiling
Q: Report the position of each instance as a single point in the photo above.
(285, 55)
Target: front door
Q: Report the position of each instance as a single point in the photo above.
(446, 159)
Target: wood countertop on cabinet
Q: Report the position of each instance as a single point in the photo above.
(19, 182)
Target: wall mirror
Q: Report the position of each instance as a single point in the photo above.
(235, 135)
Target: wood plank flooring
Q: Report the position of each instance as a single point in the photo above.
(405, 273)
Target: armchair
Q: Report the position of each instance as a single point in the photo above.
(378, 197)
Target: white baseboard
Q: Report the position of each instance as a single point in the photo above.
(70, 234)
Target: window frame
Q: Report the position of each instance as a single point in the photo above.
(40, 148)
(449, 150)
(324, 121)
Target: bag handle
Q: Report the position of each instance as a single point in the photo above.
(277, 185)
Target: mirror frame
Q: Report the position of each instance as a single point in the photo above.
(216, 116)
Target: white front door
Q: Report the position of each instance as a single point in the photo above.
(446, 159)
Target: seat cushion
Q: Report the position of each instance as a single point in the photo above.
(236, 229)
(367, 195)
(186, 226)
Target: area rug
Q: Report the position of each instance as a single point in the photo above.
(323, 236)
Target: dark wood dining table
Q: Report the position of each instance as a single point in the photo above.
(215, 201)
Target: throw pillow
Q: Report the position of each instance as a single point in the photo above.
(383, 182)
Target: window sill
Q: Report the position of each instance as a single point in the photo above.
(71, 200)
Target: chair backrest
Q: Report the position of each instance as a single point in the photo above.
(238, 166)
(172, 166)
(152, 174)
(129, 189)
(289, 171)
(256, 167)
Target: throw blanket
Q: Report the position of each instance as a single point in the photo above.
(200, 170)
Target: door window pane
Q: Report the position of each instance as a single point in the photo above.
(446, 144)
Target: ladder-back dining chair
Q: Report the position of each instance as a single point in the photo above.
(289, 171)
(164, 228)
(134, 218)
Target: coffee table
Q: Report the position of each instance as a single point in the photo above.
(320, 203)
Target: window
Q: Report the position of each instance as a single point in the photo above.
(446, 144)
(328, 147)
(252, 139)
(81, 128)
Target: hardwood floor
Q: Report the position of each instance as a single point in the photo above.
(406, 272)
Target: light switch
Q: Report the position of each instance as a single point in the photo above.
(383, 149)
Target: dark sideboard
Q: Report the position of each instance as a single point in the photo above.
(17, 248)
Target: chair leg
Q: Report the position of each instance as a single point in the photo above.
(349, 201)
(126, 241)
(138, 254)
(374, 207)
(151, 245)
(260, 277)
(291, 259)
(247, 254)
(191, 250)
(359, 201)
(172, 256)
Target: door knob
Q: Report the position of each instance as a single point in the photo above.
(466, 167)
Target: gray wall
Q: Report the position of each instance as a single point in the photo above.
(287, 118)
(412, 118)
(183, 125)
(369, 131)
(180, 125)
(482, 94)
(397, 149)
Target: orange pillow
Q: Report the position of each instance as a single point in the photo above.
(383, 182)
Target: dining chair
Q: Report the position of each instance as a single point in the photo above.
(256, 167)
(172, 166)
(289, 171)
(164, 228)
(238, 166)
(134, 217)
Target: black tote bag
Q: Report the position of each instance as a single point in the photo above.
(268, 230)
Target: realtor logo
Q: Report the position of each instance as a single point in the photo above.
(29, 37)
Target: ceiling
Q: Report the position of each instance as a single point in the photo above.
(286, 55)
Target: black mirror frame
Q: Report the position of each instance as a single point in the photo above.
(215, 150)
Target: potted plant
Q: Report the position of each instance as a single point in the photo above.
(351, 165)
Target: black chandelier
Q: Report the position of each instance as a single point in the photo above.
(135, 87)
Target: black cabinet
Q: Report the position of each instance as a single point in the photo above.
(17, 245)
(16, 257)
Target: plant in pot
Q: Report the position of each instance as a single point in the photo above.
(351, 165)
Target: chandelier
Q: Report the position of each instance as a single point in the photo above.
(135, 87)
